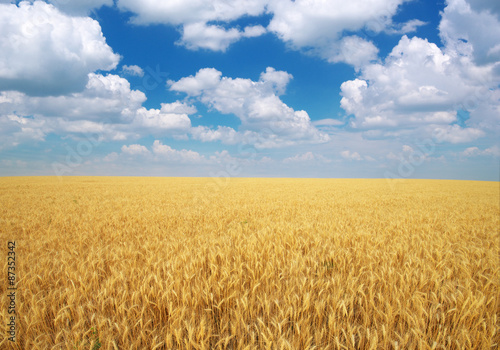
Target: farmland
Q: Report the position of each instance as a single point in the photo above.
(192, 263)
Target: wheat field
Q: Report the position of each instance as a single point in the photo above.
(198, 263)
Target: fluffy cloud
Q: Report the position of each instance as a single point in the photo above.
(350, 155)
(104, 97)
(328, 122)
(416, 79)
(15, 130)
(475, 152)
(107, 106)
(314, 26)
(490, 6)
(193, 17)
(316, 23)
(223, 133)
(184, 156)
(354, 51)
(178, 107)
(133, 70)
(190, 11)
(46, 52)
(317, 26)
(457, 134)
(80, 7)
(419, 85)
(256, 104)
(465, 31)
(157, 121)
(216, 38)
(135, 150)
(408, 27)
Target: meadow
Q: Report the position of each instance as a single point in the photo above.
(191, 263)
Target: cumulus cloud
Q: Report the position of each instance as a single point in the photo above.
(490, 6)
(350, 155)
(468, 31)
(133, 70)
(405, 28)
(317, 26)
(15, 130)
(189, 11)
(328, 122)
(107, 106)
(104, 97)
(80, 7)
(46, 52)
(353, 50)
(178, 108)
(193, 17)
(476, 152)
(212, 37)
(223, 133)
(256, 104)
(416, 79)
(457, 134)
(157, 121)
(135, 150)
(313, 26)
(422, 86)
(170, 154)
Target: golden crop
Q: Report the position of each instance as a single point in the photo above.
(192, 263)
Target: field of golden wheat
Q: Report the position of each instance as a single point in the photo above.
(190, 263)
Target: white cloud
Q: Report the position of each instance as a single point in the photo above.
(457, 134)
(190, 11)
(491, 6)
(46, 52)
(277, 80)
(306, 157)
(328, 122)
(205, 79)
(133, 70)
(107, 106)
(135, 150)
(104, 97)
(184, 156)
(178, 108)
(300, 158)
(354, 51)
(350, 155)
(314, 26)
(80, 7)
(421, 86)
(466, 31)
(15, 129)
(262, 113)
(475, 152)
(407, 149)
(212, 37)
(408, 27)
(223, 133)
(193, 17)
(201, 35)
(155, 120)
(416, 79)
(111, 157)
(254, 31)
(317, 26)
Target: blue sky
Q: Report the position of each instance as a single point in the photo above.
(306, 88)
